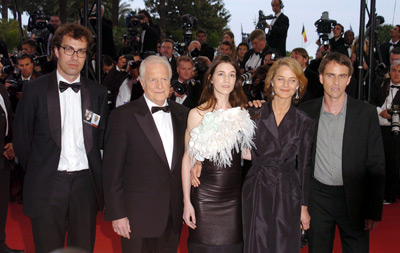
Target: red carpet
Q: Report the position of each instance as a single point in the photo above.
(385, 239)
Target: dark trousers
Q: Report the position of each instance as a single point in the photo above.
(72, 208)
(168, 242)
(327, 207)
(391, 146)
(4, 198)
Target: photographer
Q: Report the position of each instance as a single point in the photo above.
(29, 47)
(122, 80)
(255, 56)
(108, 47)
(150, 33)
(185, 86)
(278, 28)
(15, 82)
(167, 50)
(206, 50)
(54, 23)
(337, 42)
(314, 87)
(384, 99)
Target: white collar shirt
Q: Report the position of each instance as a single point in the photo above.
(73, 153)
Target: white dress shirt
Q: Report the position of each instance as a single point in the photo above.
(125, 92)
(164, 126)
(73, 154)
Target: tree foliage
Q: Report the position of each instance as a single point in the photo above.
(10, 33)
(211, 15)
(384, 33)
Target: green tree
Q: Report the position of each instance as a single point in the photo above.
(384, 33)
(10, 33)
(211, 15)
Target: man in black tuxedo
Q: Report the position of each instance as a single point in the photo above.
(206, 50)
(278, 28)
(58, 134)
(6, 118)
(314, 87)
(167, 50)
(385, 96)
(255, 56)
(387, 47)
(347, 164)
(144, 145)
(337, 43)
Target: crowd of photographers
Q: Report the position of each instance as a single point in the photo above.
(190, 60)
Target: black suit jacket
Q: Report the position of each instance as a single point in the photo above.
(385, 51)
(138, 182)
(363, 160)
(314, 87)
(338, 46)
(37, 141)
(276, 36)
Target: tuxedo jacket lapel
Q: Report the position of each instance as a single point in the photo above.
(86, 104)
(53, 108)
(179, 130)
(146, 122)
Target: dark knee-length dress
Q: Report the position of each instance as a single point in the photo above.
(217, 200)
(277, 184)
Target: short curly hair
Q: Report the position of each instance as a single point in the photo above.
(75, 31)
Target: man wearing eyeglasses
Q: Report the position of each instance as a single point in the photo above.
(59, 127)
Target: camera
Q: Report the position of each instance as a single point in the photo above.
(395, 112)
(261, 20)
(324, 27)
(134, 64)
(181, 88)
(16, 84)
(7, 69)
(189, 22)
(132, 20)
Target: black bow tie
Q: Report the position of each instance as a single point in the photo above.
(74, 86)
(155, 109)
(257, 53)
(394, 86)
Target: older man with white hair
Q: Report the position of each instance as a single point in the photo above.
(387, 98)
(144, 145)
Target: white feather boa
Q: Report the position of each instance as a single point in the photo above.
(219, 132)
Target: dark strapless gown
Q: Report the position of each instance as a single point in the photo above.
(217, 205)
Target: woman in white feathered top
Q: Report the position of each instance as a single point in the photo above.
(217, 132)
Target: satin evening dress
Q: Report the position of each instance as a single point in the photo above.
(277, 184)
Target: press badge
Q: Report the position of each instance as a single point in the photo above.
(91, 118)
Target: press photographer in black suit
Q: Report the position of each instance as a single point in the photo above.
(278, 28)
(185, 89)
(123, 82)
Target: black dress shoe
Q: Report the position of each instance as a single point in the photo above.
(8, 250)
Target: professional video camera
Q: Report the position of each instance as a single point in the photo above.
(133, 24)
(188, 23)
(261, 24)
(324, 27)
(38, 26)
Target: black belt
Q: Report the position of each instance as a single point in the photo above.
(73, 172)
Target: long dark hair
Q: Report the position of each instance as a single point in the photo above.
(236, 97)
